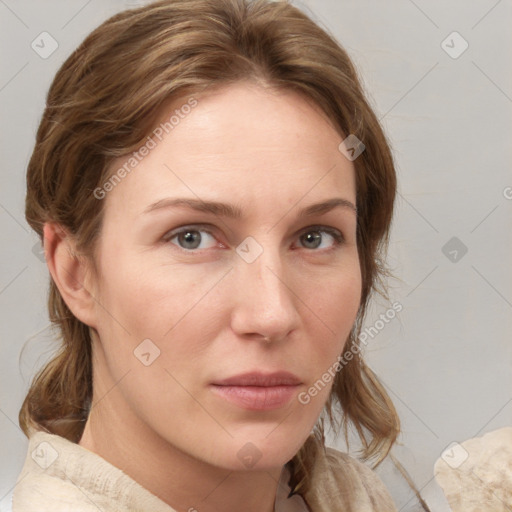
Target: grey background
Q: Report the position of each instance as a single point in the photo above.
(446, 360)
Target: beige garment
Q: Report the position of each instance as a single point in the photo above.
(62, 476)
(476, 475)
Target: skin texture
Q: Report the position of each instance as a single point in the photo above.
(207, 309)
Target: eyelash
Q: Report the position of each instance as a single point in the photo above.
(336, 235)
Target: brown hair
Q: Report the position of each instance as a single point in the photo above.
(101, 105)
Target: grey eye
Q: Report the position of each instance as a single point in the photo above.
(190, 239)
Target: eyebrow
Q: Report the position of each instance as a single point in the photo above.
(234, 212)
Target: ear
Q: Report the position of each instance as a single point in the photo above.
(69, 272)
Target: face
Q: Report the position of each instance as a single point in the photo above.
(214, 320)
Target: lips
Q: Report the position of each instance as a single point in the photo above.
(258, 391)
(281, 378)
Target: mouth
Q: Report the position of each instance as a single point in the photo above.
(258, 391)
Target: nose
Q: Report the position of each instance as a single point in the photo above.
(265, 302)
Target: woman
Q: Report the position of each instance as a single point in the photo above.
(213, 193)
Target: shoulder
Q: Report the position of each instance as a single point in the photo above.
(339, 480)
(369, 480)
(44, 493)
(59, 475)
(47, 481)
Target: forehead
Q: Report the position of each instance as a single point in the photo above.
(242, 143)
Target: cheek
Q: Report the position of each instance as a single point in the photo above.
(341, 296)
(154, 329)
(334, 298)
(333, 304)
(161, 303)
(148, 295)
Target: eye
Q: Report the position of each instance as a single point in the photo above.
(315, 236)
(190, 238)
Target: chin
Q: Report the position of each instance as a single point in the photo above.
(265, 448)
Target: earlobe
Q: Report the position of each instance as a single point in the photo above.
(69, 272)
